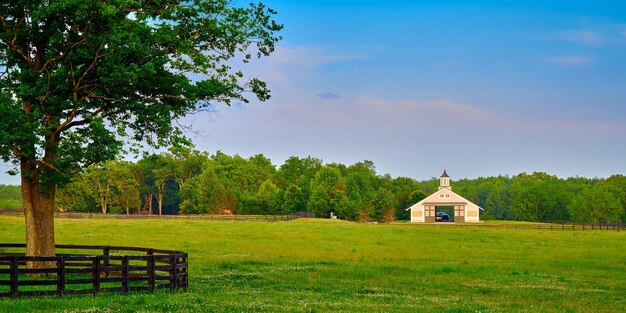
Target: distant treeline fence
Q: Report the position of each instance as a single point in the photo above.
(544, 226)
(220, 217)
(111, 269)
(271, 218)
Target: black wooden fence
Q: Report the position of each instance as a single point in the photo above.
(111, 269)
(543, 226)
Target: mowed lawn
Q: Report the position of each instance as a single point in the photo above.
(331, 266)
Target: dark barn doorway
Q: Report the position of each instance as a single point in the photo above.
(444, 213)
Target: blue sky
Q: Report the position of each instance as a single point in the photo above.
(477, 87)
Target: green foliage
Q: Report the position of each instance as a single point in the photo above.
(402, 188)
(326, 191)
(93, 71)
(10, 197)
(99, 180)
(102, 188)
(383, 204)
(127, 194)
(416, 196)
(292, 200)
(602, 203)
(539, 197)
(76, 197)
(366, 210)
(619, 181)
(206, 194)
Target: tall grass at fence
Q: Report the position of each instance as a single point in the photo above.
(327, 265)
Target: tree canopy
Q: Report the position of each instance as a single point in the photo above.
(80, 79)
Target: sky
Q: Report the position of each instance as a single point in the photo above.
(479, 88)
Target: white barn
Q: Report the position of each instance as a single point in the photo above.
(464, 210)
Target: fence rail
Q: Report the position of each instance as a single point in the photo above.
(111, 269)
(272, 218)
(543, 226)
(218, 217)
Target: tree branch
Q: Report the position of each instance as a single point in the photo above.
(83, 39)
(48, 165)
(87, 121)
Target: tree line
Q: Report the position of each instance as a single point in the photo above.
(10, 197)
(185, 181)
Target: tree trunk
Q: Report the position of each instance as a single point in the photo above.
(151, 196)
(39, 214)
(160, 200)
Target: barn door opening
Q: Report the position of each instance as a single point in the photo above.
(444, 213)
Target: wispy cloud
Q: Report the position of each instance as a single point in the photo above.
(290, 64)
(399, 133)
(567, 60)
(441, 117)
(328, 95)
(578, 36)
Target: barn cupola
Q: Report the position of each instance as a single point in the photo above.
(444, 181)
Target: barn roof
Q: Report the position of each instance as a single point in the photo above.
(435, 199)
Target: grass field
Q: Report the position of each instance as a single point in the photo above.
(331, 266)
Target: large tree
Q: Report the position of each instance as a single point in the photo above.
(82, 77)
(595, 204)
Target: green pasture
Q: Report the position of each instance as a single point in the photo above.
(333, 266)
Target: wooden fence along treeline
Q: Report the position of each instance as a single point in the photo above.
(272, 218)
(112, 269)
(220, 217)
(544, 226)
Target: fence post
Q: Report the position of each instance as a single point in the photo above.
(125, 274)
(96, 275)
(151, 271)
(186, 260)
(14, 270)
(173, 271)
(60, 276)
(105, 253)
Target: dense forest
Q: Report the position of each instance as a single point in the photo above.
(185, 181)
